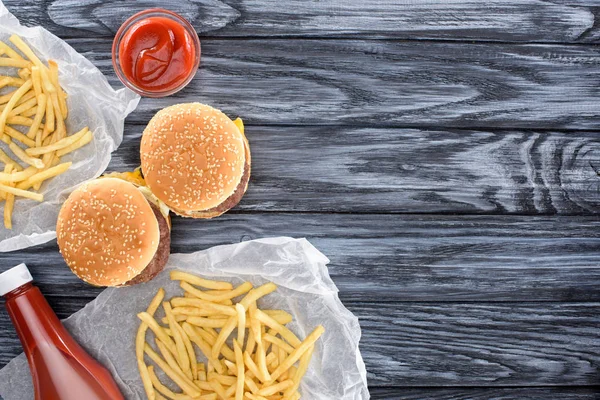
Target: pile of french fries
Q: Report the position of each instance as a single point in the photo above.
(265, 360)
(44, 139)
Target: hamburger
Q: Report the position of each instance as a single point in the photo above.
(113, 231)
(195, 159)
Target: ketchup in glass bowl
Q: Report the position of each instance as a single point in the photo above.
(156, 52)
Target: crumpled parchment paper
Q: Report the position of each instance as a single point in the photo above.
(93, 103)
(106, 327)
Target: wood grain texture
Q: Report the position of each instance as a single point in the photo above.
(386, 83)
(340, 169)
(515, 20)
(406, 345)
(485, 393)
(379, 257)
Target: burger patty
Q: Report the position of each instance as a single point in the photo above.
(158, 262)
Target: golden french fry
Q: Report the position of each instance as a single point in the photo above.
(239, 359)
(19, 120)
(217, 387)
(181, 354)
(15, 134)
(241, 314)
(203, 346)
(24, 73)
(279, 343)
(299, 373)
(257, 293)
(223, 335)
(181, 380)
(162, 388)
(158, 331)
(280, 387)
(10, 52)
(28, 113)
(203, 305)
(53, 66)
(7, 160)
(61, 130)
(207, 322)
(10, 81)
(168, 356)
(23, 156)
(80, 143)
(11, 62)
(297, 353)
(37, 80)
(195, 280)
(25, 106)
(243, 288)
(10, 201)
(17, 176)
(12, 102)
(276, 326)
(140, 341)
(22, 193)
(190, 350)
(60, 144)
(37, 120)
(25, 49)
(49, 123)
(50, 172)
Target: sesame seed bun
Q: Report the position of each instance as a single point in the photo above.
(195, 159)
(107, 232)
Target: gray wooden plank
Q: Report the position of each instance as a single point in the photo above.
(342, 169)
(563, 393)
(387, 83)
(411, 258)
(407, 345)
(515, 20)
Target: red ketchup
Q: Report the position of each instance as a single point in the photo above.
(157, 54)
(60, 368)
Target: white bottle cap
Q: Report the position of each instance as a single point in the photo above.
(13, 278)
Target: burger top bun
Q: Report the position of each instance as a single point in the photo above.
(107, 232)
(192, 157)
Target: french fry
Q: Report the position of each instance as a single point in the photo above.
(37, 80)
(15, 134)
(49, 123)
(223, 335)
(280, 387)
(17, 176)
(239, 360)
(207, 322)
(241, 314)
(158, 331)
(299, 374)
(80, 143)
(26, 105)
(32, 111)
(19, 120)
(204, 305)
(26, 158)
(50, 172)
(297, 353)
(190, 350)
(279, 343)
(203, 346)
(11, 62)
(53, 66)
(168, 356)
(243, 288)
(10, 52)
(255, 294)
(10, 200)
(24, 73)
(25, 49)
(182, 355)
(195, 280)
(37, 120)
(10, 81)
(22, 193)
(162, 388)
(183, 382)
(282, 330)
(60, 144)
(12, 102)
(7, 160)
(140, 341)
(218, 388)
(61, 130)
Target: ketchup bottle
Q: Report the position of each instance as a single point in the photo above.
(60, 368)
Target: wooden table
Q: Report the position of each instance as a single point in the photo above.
(445, 156)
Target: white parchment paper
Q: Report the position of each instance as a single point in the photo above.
(106, 327)
(93, 103)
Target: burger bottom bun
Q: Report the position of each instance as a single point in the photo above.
(158, 262)
(232, 200)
